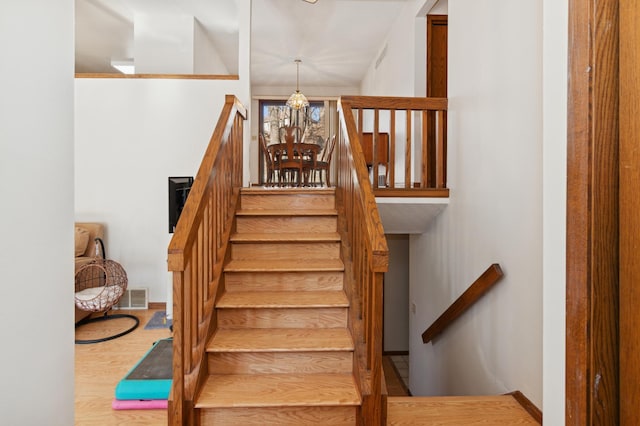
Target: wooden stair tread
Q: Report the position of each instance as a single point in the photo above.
(280, 340)
(278, 390)
(283, 299)
(457, 410)
(244, 265)
(285, 237)
(287, 212)
(280, 191)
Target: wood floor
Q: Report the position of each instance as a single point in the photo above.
(498, 410)
(100, 366)
(395, 385)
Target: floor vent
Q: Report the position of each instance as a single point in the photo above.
(133, 298)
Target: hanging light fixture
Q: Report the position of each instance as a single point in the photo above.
(297, 100)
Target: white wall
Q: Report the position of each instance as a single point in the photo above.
(131, 135)
(396, 295)
(164, 43)
(394, 74)
(440, 8)
(36, 189)
(206, 58)
(554, 207)
(89, 37)
(495, 210)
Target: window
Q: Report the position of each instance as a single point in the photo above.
(276, 114)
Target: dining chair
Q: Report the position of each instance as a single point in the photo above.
(272, 162)
(291, 160)
(324, 163)
(293, 133)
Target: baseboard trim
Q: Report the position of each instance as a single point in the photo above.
(395, 353)
(529, 406)
(388, 363)
(157, 306)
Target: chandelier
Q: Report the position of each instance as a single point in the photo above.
(297, 100)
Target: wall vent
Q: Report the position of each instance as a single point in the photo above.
(133, 298)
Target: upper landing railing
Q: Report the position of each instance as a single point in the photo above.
(404, 142)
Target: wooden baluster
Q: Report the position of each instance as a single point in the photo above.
(407, 152)
(188, 335)
(392, 149)
(424, 175)
(441, 180)
(175, 414)
(374, 148)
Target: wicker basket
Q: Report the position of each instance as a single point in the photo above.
(99, 285)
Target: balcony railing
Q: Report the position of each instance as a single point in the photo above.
(404, 143)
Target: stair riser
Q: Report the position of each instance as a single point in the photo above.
(283, 281)
(284, 201)
(282, 416)
(283, 318)
(269, 251)
(288, 224)
(282, 359)
(280, 362)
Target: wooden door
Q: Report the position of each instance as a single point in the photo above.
(629, 213)
(437, 56)
(437, 36)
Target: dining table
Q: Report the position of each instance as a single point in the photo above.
(308, 151)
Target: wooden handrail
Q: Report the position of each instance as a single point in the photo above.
(487, 280)
(366, 258)
(397, 102)
(196, 255)
(390, 123)
(159, 76)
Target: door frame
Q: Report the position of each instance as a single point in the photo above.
(592, 347)
(629, 208)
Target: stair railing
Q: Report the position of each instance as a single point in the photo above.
(417, 126)
(366, 260)
(196, 254)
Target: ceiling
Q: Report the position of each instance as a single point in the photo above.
(337, 40)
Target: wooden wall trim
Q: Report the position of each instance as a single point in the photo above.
(592, 223)
(529, 406)
(159, 76)
(162, 306)
(629, 208)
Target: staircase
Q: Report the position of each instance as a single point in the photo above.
(282, 353)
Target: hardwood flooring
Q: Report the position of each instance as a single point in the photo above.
(395, 385)
(99, 367)
(457, 410)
